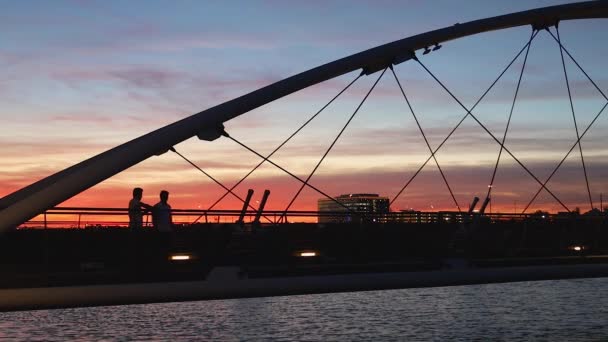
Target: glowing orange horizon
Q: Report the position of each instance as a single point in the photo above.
(200, 197)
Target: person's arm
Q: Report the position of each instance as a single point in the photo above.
(145, 206)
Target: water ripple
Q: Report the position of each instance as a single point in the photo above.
(572, 310)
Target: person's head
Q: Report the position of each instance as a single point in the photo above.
(138, 193)
(164, 196)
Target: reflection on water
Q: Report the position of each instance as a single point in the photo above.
(566, 310)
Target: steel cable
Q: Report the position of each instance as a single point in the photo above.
(280, 146)
(463, 118)
(492, 135)
(333, 143)
(426, 140)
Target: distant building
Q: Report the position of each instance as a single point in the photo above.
(414, 216)
(373, 204)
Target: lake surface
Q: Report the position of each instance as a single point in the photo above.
(565, 310)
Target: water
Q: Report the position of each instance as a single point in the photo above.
(566, 310)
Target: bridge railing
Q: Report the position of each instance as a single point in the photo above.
(83, 217)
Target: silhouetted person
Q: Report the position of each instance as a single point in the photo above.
(161, 214)
(137, 209)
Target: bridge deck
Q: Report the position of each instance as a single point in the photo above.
(242, 256)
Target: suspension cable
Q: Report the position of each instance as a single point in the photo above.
(565, 157)
(287, 172)
(504, 137)
(491, 134)
(580, 144)
(578, 65)
(445, 180)
(463, 118)
(280, 146)
(332, 144)
(172, 149)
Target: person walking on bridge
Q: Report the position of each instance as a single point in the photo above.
(161, 214)
(137, 208)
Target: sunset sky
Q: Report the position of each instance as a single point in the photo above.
(80, 77)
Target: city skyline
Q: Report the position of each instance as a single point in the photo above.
(70, 95)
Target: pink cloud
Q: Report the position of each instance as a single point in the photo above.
(94, 119)
(140, 76)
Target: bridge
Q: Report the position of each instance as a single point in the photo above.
(33, 205)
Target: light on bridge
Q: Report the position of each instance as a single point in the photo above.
(577, 248)
(180, 257)
(307, 254)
